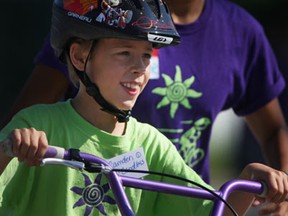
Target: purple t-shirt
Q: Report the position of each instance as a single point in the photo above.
(224, 61)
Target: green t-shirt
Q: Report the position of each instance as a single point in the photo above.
(60, 191)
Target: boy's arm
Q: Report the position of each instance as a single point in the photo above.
(4, 161)
(241, 202)
(275, 180)
(27, 144)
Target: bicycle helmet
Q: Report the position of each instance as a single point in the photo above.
(124, 19)
(128, 19)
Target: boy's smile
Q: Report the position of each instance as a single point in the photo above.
(133, 89)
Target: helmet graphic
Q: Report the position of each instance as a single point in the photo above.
(128, 19)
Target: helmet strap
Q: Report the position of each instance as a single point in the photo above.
(93, 91)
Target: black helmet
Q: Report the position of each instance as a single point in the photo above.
(128, 19)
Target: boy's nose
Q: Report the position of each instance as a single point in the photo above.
(140, 65)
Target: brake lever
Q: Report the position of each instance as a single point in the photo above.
(55, 161)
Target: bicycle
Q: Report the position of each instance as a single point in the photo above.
(75, 159)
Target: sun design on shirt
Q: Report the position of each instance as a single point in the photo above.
(93, 195)
(176, 92)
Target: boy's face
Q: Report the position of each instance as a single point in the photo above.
(120, 70)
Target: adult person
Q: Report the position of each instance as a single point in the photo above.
(223, 55)
(232, 64)
(110, 65)
(224, 61)
(276, 26)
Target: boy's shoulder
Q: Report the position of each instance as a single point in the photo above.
(145, 129)
(44, 112)
(136, 123)
(46, 107)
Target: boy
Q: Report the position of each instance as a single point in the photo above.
(107, 46)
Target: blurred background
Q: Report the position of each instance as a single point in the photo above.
(24, 25)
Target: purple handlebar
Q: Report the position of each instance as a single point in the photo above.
(56, 152)
(117, 183)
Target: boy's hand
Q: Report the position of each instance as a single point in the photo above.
(276, 181)
(29, 145)
(274, 209)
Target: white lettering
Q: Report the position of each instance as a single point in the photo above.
(130, 161)
(159, 39)
(77, 16)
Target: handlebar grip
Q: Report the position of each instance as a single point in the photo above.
(55, 152)
(52, 151)
(264, 191)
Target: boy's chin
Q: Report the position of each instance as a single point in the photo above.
(126, 105)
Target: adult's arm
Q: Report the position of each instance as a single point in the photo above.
(269, 128)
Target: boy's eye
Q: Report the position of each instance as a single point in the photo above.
(148, 56)
(125, 53)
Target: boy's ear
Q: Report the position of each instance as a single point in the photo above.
(78, 56)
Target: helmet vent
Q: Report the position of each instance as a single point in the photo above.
(154, 7)
(153, 4)
(134, 4)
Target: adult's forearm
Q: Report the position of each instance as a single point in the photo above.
(276, 150)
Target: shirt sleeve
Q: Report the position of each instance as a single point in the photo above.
(263, 78)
